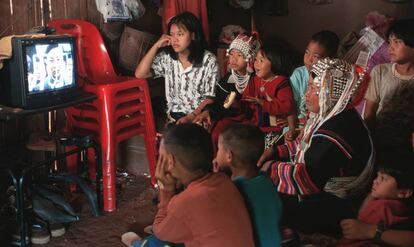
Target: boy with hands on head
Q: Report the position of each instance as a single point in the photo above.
(210, 210)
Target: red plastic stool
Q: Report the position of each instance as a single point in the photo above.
(123, 108)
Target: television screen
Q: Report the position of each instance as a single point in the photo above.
(40, 73)
(50, 67)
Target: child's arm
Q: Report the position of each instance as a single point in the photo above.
(166, 226)
(210, 80)
(398, 237)
(370, 114)
(281, 102)
(284, 151)
(143, 68)
(372, 97)
(191, 116)
(292, 123)
(358, 230)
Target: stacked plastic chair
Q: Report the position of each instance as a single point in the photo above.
(123, 108)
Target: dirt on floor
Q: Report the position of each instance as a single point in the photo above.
(135, 210)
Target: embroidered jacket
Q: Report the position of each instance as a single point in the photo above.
(340, 147)
(281, 102)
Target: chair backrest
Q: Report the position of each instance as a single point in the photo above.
(93, 62)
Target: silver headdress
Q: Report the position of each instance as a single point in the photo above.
(338, 81)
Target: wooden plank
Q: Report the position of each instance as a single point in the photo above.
(94, 16)
(45, 11)
(58, 9)
(37, 15)
(20, 18)
(83, 9)
(73, 9)
(31, 14)
(5, 28)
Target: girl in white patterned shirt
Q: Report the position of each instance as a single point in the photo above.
(190, 71)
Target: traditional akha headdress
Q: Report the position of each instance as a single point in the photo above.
(341, 86)
(339, 83)
(248, 45)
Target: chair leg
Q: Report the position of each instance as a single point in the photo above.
(109, 178)
(151, 149)
(98, 172)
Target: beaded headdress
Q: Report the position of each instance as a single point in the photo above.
(339, 82)
(248, 45)
(341, 85)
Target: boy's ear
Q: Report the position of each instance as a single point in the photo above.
(170, 161)
(192, 36)
(405, 193)
(229, 156)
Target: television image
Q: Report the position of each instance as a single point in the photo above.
(40, 73)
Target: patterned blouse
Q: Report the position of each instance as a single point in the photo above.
(186, 88)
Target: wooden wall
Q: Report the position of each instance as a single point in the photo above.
(19, 16)
(342, 17)
(294, 27)
(301, 20)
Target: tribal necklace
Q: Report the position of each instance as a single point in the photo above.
(240, 81)
(264, 82)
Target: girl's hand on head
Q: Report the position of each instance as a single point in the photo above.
(164, 179)
(164, 40)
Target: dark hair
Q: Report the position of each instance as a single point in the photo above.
(400, 165)
(279, 57)
(395, 121)
(197, 46)
(191, 145)
(51, 47)
(329, 40)
(245, 141)
(403, 29)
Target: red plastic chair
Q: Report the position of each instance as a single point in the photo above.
(122, 110)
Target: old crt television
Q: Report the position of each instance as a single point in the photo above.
(40, 73)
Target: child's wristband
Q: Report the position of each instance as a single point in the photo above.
(378, 233)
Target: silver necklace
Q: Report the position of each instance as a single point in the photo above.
(264, 82)
(240, 81)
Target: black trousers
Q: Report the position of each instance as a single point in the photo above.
(317, 213)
